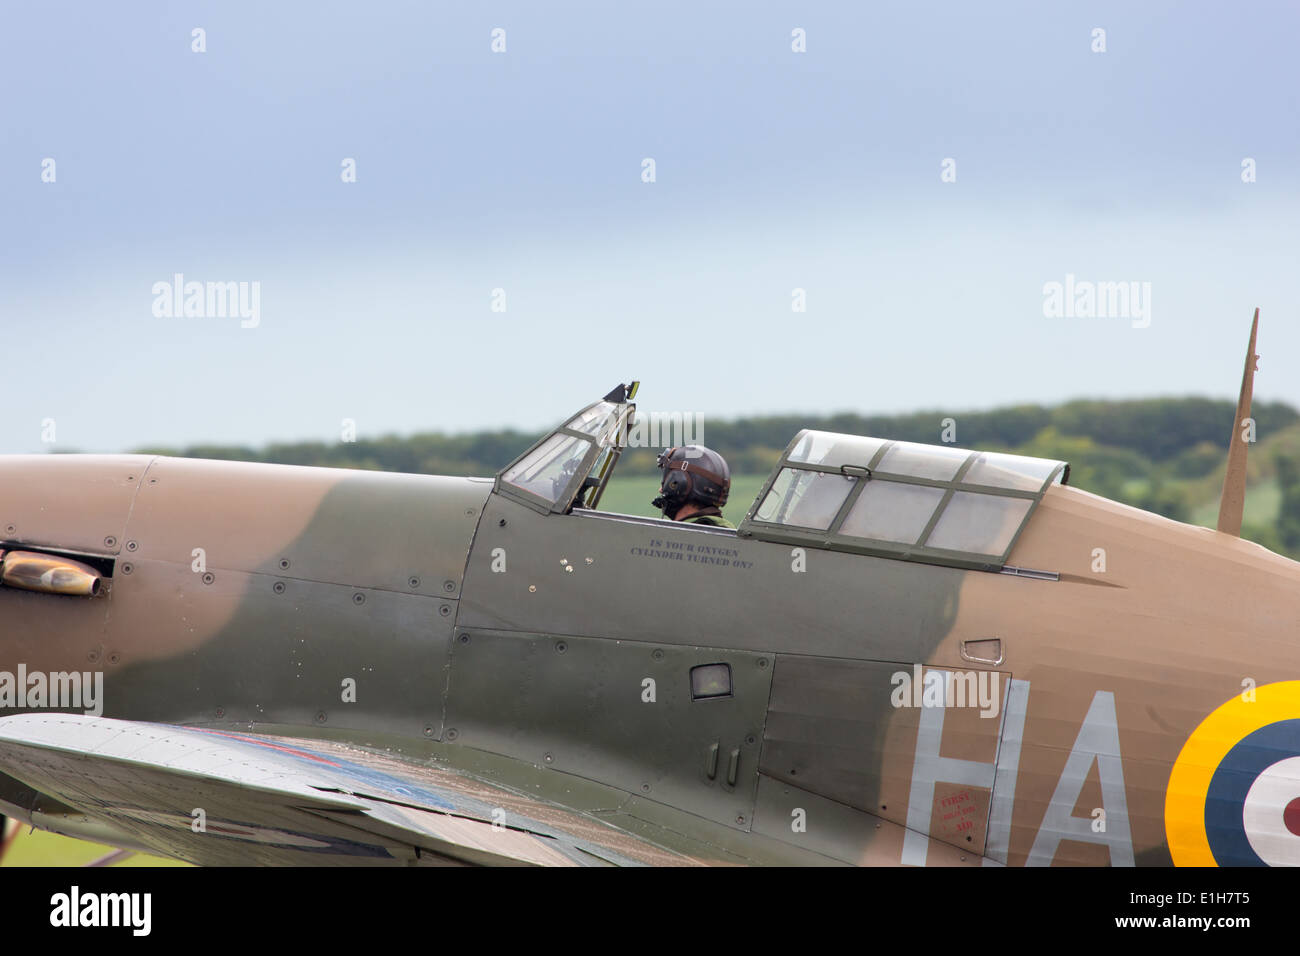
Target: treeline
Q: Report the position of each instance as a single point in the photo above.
(427, 453)
(1108, 442)
(1173, 431)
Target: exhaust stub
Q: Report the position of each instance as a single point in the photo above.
(48, 574)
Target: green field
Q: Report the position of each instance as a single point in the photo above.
(38, 848)
(1263, 500)
(1263, 503)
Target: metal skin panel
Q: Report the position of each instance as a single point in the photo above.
(36, 629)
(828, 734)
(825, 732)
(75, 502)
(849, 606)
(744, 594)
(283, 657)
(837, 832)
(365, 529)
(174, 645)
(580, 706)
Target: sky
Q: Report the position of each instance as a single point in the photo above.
(921, 171)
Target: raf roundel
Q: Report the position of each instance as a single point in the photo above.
(1234, 792)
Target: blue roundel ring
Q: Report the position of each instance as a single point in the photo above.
(1233, 795)
(1225, 827)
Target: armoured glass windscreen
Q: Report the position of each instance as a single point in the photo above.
(548, 471)
(805, 499)
(892, 511)
(592, 421)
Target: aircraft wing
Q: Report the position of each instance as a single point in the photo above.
(221, 798)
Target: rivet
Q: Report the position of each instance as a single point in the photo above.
(413, 582)
(588, 560)
(501, 523)
(284, 564)
(444, 610)
(320, 718)
(10, 529)
(548, 758)
(209, 578)
(358, 599)
(278, 587)
(532, 588)
(428, 731)
(740, 820)
(469, 511)
(110, 541)
(645, 788)
(449, 586)
(221, 711)
(464, 638)
(114, 657)
(131, 546)
(750, 740)
(127, 567)
(561, 647)
(762, 662)
(93, 656)
(452, 733)
(657, 654)
(569, 568)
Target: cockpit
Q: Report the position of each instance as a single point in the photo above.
(930, 503)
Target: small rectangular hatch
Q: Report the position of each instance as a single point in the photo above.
(930, 503)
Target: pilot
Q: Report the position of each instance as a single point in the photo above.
(694, 486)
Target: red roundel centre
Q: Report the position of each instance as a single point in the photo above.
(1291, 816)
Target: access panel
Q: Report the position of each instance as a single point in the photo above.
(677, 724)
(912, 744)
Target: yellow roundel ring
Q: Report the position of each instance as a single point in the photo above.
(1202, 755)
